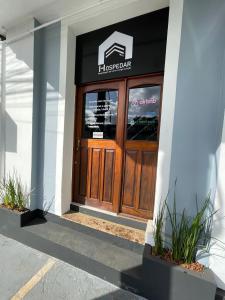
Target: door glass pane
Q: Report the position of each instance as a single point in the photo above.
(143, 113)
(100, 114)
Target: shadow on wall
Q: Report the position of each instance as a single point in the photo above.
(17, 114)
(199, 111)
(200, 105)
(32, 112)
(11, 141)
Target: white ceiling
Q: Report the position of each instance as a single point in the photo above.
(13, 12)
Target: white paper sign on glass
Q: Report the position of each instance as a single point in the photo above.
(97, 135)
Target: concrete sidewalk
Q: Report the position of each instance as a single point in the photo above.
(29, 274)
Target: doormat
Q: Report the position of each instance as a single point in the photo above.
(125, 232)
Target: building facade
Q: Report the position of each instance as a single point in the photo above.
(110, 106)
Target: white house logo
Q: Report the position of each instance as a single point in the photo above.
(117, 43)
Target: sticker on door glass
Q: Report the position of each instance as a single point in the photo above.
(143, 113)
(97, 135)
(100, 114)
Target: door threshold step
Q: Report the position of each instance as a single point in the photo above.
(106, 226)
(104, 236)
(111, 217)
(76, 206)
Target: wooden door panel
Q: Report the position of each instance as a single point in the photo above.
(101, 144)
(147, 181)
(83, 171)
(97, 176)
(142, 145)
(95, 172)
(129, 182)
(139, 183)
(108, 180)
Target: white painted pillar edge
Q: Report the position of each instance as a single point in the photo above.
(168, 107)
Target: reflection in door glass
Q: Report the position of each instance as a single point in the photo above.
(143, 113)
(100, 114)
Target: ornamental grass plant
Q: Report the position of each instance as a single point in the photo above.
(12, 193)
(159, 223)
(187, 234)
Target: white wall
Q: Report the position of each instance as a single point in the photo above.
(31, 111)
(19, 104)
(199, 104)
(198, 115)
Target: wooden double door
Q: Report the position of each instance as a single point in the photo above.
(116, 145)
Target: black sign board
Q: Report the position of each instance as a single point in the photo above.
(133, 47)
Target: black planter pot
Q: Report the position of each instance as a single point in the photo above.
(15, 218)
(165, 281)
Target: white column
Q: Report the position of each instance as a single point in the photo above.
(168, 105)
(64, 153)
(68, 123)
(217, 252)
(168, 101)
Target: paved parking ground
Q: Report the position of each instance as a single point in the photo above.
(28, 274)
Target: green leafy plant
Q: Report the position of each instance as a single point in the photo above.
(22, 198)
(198, 232)
(157, 234)
(179, 231)
(188, 234)
(12, 193)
